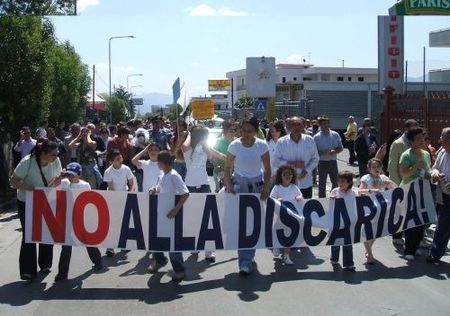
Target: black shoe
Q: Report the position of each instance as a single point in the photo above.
(60, 277)
(45, 270)
(27, 277)
(431, 259)
(97, 267)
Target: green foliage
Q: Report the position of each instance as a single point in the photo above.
(244, 102)
(172, 116)
(122, 94)
(25, 92)
(37, 7)
(40, 79)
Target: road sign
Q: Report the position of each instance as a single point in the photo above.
(137, 101)
(260, 105)
(219, 85)
(202, 109)
(176, 90)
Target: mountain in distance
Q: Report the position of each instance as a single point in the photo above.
(154, 98)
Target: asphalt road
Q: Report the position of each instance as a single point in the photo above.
(311, 287)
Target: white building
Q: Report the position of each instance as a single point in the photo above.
(440, 38)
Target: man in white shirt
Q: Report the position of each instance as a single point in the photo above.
(300, 151)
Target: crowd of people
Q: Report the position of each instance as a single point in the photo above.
(283, 159)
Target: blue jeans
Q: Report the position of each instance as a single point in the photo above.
(92, 175)
(347, 254)
(246, 257)
(176, 260)
(442, 233)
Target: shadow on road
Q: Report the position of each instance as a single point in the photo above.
(21, 293)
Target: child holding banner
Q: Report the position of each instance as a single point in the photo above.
(118, 177)
(170, 182)
(344, 189)
(73, 181)
(374, 183)
(286, 190)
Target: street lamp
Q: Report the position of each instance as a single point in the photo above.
(132, 75)
(109, 48)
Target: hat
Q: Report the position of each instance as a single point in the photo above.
(73, 168)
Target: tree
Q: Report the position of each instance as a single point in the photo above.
(173, 115)
(25, 92)
(125, 95)
(38, 7)
(244, 102)
(70, 83)
(118, 106)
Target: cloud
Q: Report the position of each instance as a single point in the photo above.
(295, 59)
(207, 10)
(84, 4)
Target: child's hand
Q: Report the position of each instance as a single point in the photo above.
(333, 197)
(299, 198)
(152, 191)
(173, 212)
(280, 199)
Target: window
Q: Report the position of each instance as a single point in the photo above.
(360, 78)
(349, 78)
(340, 78)
(283, 80)
(242, 81)
(295, 78)
(307, 78)
(325, 77)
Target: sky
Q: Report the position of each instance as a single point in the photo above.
(197, 41)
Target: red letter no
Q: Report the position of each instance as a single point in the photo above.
(96, 237)
(56, 223)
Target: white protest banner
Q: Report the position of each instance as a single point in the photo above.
(125, 220)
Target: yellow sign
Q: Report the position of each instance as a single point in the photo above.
(219, 85)
(202, 109)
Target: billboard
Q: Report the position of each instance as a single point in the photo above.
(202, 109)
(391, 53)
(219, 85)
(261, 79)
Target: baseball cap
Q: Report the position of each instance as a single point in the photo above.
(73, 168)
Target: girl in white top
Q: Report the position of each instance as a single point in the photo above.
(196, 153)
(149, 167)
(344, 189)
(285, 189)
(373, 183)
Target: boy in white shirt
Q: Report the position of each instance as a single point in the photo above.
(73, 182)
(118, 177)
(170, 182)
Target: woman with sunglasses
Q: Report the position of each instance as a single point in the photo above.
(41, 168)
(245, 156)
(276, 130)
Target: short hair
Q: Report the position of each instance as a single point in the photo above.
(112, 154)
(410, 123)
(227, 124)
(445, 133)
(347, 176)
(374, 161)
(323, 118)
(413, 132)
(25, 129)
(154, 145)
(252, 121)
(122, 131)
(165, 157)
(279, 175)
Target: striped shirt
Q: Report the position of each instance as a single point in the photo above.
(305, 150)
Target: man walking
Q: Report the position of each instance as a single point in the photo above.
(350, 136)
(328, 144)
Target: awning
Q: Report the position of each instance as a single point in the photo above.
(98, 104)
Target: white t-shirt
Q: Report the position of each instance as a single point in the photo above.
(273, 163)
(248, 162)
(171, 182)
(338, 193)
(373, 183)
(151, 174)
(196, 174)
(118, 177)
(80, 185)
(288, 193)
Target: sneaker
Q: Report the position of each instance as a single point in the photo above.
(60, 277)
(210, 256)
(177, 276)
(244, 271)
(398, 242)
(409, 257)
(155, 266)
(276, 252)
(287, 260)
(97, 267)
(109, 252)
(431, 259)
(349, 268)
(418, 252)
(334, 262)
